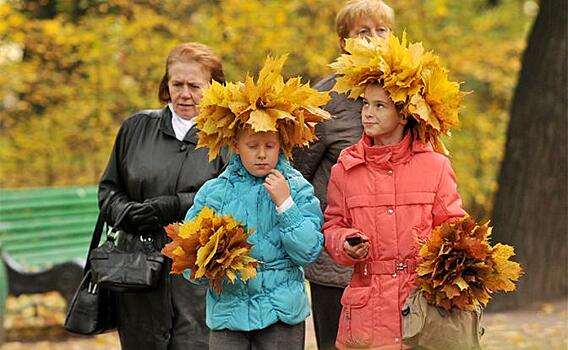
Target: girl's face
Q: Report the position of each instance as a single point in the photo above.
(381, 120)
(259, 151)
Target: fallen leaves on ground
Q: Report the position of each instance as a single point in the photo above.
(35, 321)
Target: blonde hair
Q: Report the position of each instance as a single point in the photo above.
(191, 52)
(355, 9)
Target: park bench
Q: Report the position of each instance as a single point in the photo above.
(44, 239)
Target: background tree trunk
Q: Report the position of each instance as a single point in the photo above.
(41, 9)
(531, 204)
(493, 3)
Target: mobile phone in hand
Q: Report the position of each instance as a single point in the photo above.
(354, 240)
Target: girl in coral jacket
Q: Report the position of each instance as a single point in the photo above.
(389, 190)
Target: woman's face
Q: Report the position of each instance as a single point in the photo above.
(381, 120)
(259, 151)
(186, 79)
(365, 27)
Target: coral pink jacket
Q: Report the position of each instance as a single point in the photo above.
(395, 195)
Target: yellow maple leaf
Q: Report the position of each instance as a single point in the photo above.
(505, 272)
(248, 271)
(178, 251)
(260, 121)
(461, 283)
(206, 253)
(231, 256)
(231, 275)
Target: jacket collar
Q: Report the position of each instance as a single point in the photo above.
(167, 128)
(365, 152)
(191, 135)
(166, 122)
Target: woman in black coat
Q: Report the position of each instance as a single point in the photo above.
(152, 176)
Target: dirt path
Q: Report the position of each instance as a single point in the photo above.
(34, 322)
(540, 327)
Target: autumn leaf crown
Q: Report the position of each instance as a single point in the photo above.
(413, 78)
(289, 108)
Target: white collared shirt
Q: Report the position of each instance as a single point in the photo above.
(181, 126)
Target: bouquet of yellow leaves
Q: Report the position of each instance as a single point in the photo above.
(460, 269)
(212, 246)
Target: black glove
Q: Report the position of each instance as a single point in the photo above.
(141, 218)
(166, 208)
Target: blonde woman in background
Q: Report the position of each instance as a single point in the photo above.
(357, 18)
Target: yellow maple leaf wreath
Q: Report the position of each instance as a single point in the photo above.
(413, 77)
(271, 104)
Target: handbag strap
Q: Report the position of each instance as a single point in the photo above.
(98, 231)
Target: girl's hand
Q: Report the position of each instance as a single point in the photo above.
(358, 251)
(277, 187)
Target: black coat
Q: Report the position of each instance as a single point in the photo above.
(315, 162)
(148, 161)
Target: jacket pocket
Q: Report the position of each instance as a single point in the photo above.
(356, 323)
(421, 203)
(421, 231)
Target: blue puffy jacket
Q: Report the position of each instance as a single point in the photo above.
(282, 242)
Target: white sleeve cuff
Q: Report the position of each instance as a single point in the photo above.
(287, 204)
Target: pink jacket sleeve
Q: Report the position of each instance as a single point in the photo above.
(337, 223)
(447, 203)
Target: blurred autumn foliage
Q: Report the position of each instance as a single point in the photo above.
(73, 70)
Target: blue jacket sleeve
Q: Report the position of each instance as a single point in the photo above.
(301, 224)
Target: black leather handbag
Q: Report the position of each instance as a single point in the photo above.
(126, 271)
(92, 310)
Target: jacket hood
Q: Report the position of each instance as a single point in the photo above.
(364, 151)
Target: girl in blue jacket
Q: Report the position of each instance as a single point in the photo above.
(260, 189)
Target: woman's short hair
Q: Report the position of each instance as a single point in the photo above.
(191, 52)
(355, 9)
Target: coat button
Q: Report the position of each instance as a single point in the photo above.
(396, 340)
(390, 211)
(389, 172)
